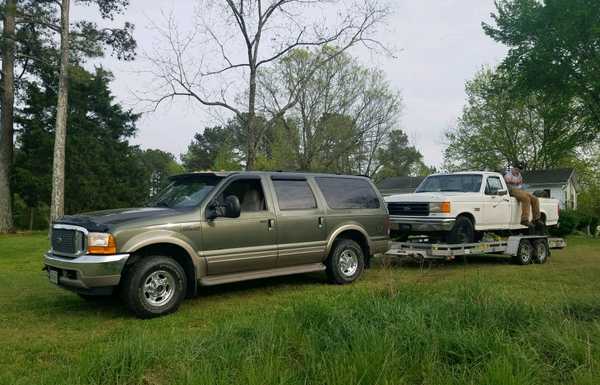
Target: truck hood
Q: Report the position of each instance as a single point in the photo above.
(105, 219)
(432, 197)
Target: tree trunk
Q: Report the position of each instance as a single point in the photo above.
(6, 124)
(251, 123)
(57, 206)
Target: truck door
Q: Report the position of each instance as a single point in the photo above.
(497, 210)
(301, 221)
(232, 245)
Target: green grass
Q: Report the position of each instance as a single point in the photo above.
(481, 322)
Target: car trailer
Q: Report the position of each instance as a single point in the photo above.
(524, 249)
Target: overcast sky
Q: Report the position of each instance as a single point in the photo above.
(440, 45)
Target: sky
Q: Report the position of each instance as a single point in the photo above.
(438, 44)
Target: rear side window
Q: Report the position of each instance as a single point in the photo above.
(294, 195)
(348, 193)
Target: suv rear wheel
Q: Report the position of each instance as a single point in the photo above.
(346, 262)
(154, 286)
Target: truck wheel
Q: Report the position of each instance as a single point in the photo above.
(462, 232)
(154, 286)
(346, 262)
(524, 253)
(541, 252)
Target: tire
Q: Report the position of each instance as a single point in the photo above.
(540, 227)
(154, 286)
(541, 251)
(524, 253)
(462, 232)
(346, 262)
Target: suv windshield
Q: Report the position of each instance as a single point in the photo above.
(458, 183)
(184, 192)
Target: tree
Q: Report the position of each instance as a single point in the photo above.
(399, 158)
(499, 125)
(554, 50)
(102, 163)
(28, 44)
(6, 120)
(160, 166)
(239, 39)
(343, 115)
(216, 148)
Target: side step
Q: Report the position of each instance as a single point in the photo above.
(248, 275)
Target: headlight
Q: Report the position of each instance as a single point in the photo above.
(101, 243)
(439, 207)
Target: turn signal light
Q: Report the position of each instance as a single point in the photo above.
(101, 243)
(445, 207)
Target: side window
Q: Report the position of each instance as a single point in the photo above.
(348, 193)
(493, 185)
(294, 194)
(249, 192)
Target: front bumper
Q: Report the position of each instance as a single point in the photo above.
(87, 271)
(421, 224)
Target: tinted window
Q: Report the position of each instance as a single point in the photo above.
(457, 183)
(294, 195)
(249, 192)
(348, 193)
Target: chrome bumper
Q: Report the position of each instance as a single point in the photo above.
(423, 224)
(87, 271)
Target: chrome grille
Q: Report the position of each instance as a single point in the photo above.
(408, 209)
(67, 242)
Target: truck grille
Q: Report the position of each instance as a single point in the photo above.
(67, 242)
(408, 209)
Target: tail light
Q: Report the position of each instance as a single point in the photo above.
(558, 210)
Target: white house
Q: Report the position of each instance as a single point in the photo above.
(560, 183)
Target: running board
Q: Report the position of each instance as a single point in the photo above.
(248, 275)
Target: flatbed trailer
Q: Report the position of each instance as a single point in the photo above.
(523, 249)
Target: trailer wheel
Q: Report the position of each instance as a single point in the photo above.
(524, 253)
(541, 251)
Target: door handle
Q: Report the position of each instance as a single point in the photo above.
(270, 223)
(320, 221)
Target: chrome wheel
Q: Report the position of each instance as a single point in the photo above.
(159, 288)
(525, 252)
(541, 252)
(348, 262)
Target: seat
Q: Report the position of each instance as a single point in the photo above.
(253, 201)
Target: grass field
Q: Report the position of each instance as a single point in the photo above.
(481, 322)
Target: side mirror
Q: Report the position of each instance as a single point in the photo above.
(501, 192)
(232, 207)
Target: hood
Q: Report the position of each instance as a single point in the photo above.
(105, 219)
(430, 197)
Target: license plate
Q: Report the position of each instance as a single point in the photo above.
(53, 276)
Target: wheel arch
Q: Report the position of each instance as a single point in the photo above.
(355, 233)
(168, 249)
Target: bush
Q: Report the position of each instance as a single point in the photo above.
(575, 220)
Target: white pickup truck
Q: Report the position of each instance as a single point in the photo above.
(459, 207)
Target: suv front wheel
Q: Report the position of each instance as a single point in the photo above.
(154, 286)
(346, 262)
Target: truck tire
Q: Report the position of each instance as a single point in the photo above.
(524, 253)
(541, 251)
(346, 262)
(154, 286)
(462, 232)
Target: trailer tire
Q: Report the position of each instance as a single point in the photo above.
(541, 251)
(462, 232)
(524, 253)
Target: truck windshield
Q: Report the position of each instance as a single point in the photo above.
(185, 192)
(454, 183)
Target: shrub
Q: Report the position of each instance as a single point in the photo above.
(575, 220)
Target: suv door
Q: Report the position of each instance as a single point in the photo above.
(497, 209)
(301, 226)
(249, 242)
